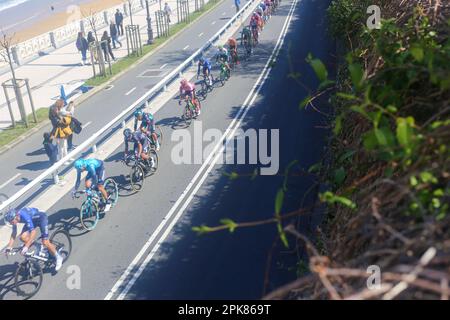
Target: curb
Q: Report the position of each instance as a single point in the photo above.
(97, 89)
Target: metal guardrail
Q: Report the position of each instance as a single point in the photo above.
(120, 119)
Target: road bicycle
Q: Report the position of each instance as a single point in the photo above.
(140, 168)
(190, 110)
(224, 74)
(94, 204)
(29, 274)
(207, 86)
(247, 43)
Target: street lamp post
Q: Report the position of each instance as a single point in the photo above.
(149, 24)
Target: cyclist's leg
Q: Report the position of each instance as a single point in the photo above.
(25, 234)
(101, 181)
(43, 226)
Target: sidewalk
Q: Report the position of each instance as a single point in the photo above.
(63, 67)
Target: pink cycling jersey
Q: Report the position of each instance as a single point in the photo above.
(188, 87)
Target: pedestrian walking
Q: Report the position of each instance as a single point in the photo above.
(168, 11)
(114, 32)
(91, 44)
(237, 3)
(82, 46)
(119, 22)
(106, 46)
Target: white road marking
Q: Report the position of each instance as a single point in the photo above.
(129, 92)
(200, 34)
(213, 23)
(228, 134)
(186, 47)
(162, 67)
(86, 125)
(10, 180)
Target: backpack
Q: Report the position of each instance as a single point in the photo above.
(76, 125)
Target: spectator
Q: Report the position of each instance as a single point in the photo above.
(168, 11)
(114, 34)
(106, 46)
(91, 44)
(82, 46)
(119, 22)
(61, 127)
(50, 149)
(69, 111)
(237, 3)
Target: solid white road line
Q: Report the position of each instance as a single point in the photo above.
(131, 91)
(84, 126)
(162, 67)
(186, 47)
(228, 134)
(200, 34)
(7, 182)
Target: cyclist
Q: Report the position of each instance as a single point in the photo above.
(187, 89)
(246, 38)
(95, 176)
(261, 10)
(141, 145)
(232, 44)
(205, 66)
(32, 218)
(147, 125)
(223, 57)
(255, 22)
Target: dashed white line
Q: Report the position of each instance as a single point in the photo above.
(213, 23)
(162, 67)
(7, 182)
(200, 34)
(129, 92)
(86, 125)
(186, 47)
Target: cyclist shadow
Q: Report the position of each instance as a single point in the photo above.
(69, 220)
(7, 287)
(173, 122)
(122, 180)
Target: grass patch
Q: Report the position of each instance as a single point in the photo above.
(10, 134)
(126, 62)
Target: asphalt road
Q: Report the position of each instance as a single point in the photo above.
(219, 265)
(28, 159)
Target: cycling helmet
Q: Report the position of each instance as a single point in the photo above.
(138, 113)
(201, 60)
(127, 133)
(80, 164)
(220, 47)
(150, 116)
(10, 215)
(183, 82)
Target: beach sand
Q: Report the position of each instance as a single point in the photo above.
(62, 18)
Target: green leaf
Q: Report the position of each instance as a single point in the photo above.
(346, 155)
(330, 198)
(339, 176)
(413, 181)
(392, 109)
(202, 229)
(417, 53)
(384, 137)
(346, 96)
(279, 201)
(229, 223)
(427, 177)
(325, 84)
(356, 74)
(337, 125)
(370, 140)
(282, 235)
(404, 132)
(304, 102)
(315, 167)
(318, 67)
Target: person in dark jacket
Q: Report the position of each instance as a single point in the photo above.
(91, 41)
(50, 149)
(119, 22)
(82, 46)
(106, 46)
(114, 34)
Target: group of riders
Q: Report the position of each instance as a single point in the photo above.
(143, 137)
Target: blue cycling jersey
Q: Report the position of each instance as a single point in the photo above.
(31, 217)
(206, 66)
(95, 169)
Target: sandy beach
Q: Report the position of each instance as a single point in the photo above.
(60, 19)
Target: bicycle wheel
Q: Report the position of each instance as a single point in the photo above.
(61, 240)
(222, 77)
(89, 215)
(113, 190)
(28, 279)
(187, 116)
(153, 155)
(204, 90)
(137, 176)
